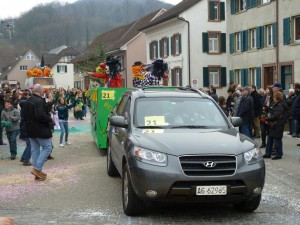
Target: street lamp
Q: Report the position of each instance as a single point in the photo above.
(189, 47)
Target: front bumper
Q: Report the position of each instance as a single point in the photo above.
(171, 183)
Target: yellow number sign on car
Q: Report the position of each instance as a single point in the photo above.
(154, 120)
(108, 94)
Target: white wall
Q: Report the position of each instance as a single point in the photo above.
(64, 80)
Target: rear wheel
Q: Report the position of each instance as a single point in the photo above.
(248, 205)
(111, 168)
(132, 205)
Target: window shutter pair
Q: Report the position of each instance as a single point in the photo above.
(287, 31)
(222, 74)
(205, 42)
(212, 15)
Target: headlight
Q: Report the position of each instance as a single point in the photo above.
(253, 156)
(151, 157)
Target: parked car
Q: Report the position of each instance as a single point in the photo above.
(176, 144)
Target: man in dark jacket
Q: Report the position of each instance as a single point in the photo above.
(257, 111)
(245, 111)
(296, 104)
(38, 126)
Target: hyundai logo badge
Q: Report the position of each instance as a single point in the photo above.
(209, 164)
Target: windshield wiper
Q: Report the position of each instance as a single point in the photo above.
(189, 126)
(150, 127)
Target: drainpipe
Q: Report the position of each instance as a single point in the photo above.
(277, 39)
(189, 48)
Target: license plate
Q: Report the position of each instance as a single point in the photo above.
(211, 190)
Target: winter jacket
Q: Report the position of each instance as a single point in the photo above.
(276, 120)
(245, 110)
(38, 120)
(23, 132)
(256, 103)
(13, 116)
(289, 102)
(296, 107)
(63, 111)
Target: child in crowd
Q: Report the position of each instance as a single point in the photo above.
(10, 119)
(63, 114)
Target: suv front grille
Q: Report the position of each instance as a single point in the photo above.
(195, 165)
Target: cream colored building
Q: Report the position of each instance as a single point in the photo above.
(263, 40)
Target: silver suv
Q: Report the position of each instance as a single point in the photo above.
(176, 144)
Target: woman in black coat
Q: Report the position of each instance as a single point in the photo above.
(276, 120)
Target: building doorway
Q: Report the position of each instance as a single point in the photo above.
(268, 76)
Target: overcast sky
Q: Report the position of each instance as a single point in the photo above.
(13, 8)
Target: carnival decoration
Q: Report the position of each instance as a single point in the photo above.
(36, 72)
(109, 72)
(149, 75)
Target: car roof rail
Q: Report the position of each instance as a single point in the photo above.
(187, 88)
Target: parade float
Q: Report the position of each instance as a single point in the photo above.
(41, 76)
(104, 97)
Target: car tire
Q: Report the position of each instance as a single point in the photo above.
(248, 205)
(110, 166)
(132, 205)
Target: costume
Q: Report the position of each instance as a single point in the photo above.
(109, 72)
(149, 75)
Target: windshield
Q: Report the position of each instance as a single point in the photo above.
(177, 113)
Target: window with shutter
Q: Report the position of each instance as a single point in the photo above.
(213, 42)
(177, 44)
(269, 35)
(252, 76)
(214, 10)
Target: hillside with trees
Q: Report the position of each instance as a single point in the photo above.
(48, 26)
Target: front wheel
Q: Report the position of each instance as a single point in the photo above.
(248, 205)
(132, 205)
(110, 166)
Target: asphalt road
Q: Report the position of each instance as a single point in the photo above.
(78, 191)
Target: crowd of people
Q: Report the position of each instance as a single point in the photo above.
(25, 113)
(264, 113)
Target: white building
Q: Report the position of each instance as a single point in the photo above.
(191, 38)
(58, 60)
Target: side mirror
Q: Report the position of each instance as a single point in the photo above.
(236, 121)
(118, 121)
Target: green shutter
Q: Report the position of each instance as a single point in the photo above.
(180, 77)
(246, 77)
(248, 4)
(156, 43)
(231, 43)
(66, 69)
(180, 44)
(258, 78)
(287, 31)
(223, 77)
(244, 40)
(205, 42)
(258, 44)
(222, 10)
(262, 36)
(172, 45)
(243, 77)
(58, 69)
(173, 77)
(274, 27)
(232, 7)
(168, 47)
(212, 15)
(150, 51)
(223, 42)
(231, 76)
(205, 77)
(161, 48)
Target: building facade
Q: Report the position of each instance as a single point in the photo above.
(263, 39)
(191, 38)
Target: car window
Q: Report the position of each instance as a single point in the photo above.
(121, 105)
(177, 111)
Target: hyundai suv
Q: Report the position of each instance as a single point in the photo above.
(176, 144)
